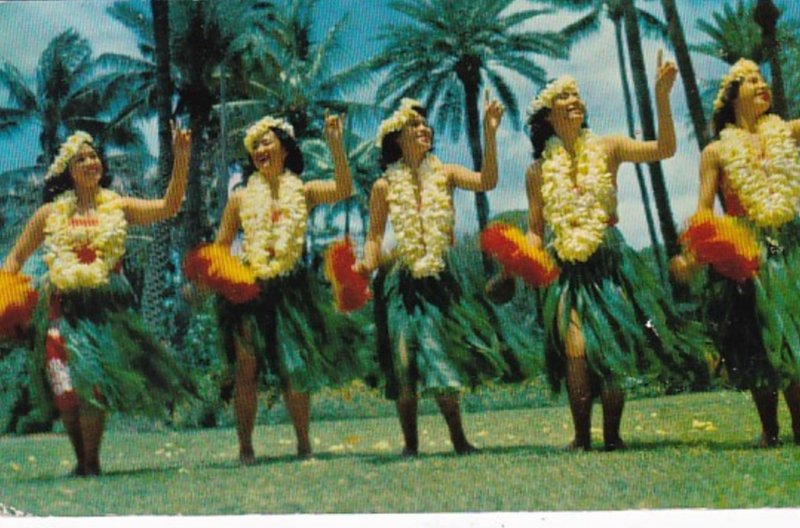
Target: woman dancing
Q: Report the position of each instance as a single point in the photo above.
(606, 316)
(754, 164)
(94, 348)
(433, 329)
(283, 334)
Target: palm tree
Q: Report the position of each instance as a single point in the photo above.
(766, 15)
(686, 68)
(589, 24)
(64, 98)
(156, 285)
(642, 89)
(445, 53)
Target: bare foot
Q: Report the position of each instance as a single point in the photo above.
(409, 453)
(247, 457)
(615, 445)
(465, 449)
(304, 453)
(766, 441)
(575, 445)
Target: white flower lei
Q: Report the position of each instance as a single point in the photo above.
(423, 236)
(63, 240)
(66, 152)
(769, 190)
(273, 248)
(577, 212)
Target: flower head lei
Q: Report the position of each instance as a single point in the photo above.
(738, 71)
(548, 94)
(66, 152)
(398, 119)
(260, 127)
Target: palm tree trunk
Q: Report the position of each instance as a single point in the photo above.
(471, 85)
(684, 60)
(668, 231)
(626, 92)
(155, 279)
(766, 16)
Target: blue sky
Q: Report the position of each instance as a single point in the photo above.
(27, 27)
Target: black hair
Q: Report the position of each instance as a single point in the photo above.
(61, 183)
(294, 156)
(540, 130)
(726, 115)
(390, 148)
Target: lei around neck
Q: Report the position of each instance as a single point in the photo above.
(274, 229)
(423, 232)
(578, 211)
(82, 252)
(768, 189)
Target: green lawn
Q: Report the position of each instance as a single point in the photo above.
(691, 451)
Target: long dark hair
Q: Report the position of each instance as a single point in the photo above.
(726, 114)
(390, 148)
(540, 130)
(294, 156)
(63, 182)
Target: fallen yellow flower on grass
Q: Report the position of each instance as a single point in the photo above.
(703, 426)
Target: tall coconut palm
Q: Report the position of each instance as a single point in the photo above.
(588, 24)
(766, 15)
(63, 98)
(445, 51)
(642, 89)
(155, 281)
(684, 60)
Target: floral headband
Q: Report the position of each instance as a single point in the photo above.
(737, 72)
(260, 127)
(548, 94)
(398, 119)
(66, 152)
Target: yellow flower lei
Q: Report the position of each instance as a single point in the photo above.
(578, 213)
(65, 240)
(273, 248)
(423, 236)
(769, 190)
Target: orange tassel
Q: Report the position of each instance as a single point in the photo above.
(212, 266)
(350, 289)
(518, 257)
(17, 302)
(729, 247)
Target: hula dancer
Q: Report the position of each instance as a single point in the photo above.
(755, 320)
(439, 342)
(606, 316)
(288, 333)
(89, 342)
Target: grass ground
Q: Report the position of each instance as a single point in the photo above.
(692, 451)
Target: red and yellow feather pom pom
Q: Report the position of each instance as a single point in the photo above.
(518, 257)
(350, 289)
(724, 243)
(212, 266)
(17, 302)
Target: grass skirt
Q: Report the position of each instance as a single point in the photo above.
(632, 330)
(756, 324)
(298, 338)
(114, 362)
(435, 337)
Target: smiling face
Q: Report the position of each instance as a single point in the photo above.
(568, 109)
(754, 95)
(86, 168)
(416, 137)
(269, 156)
